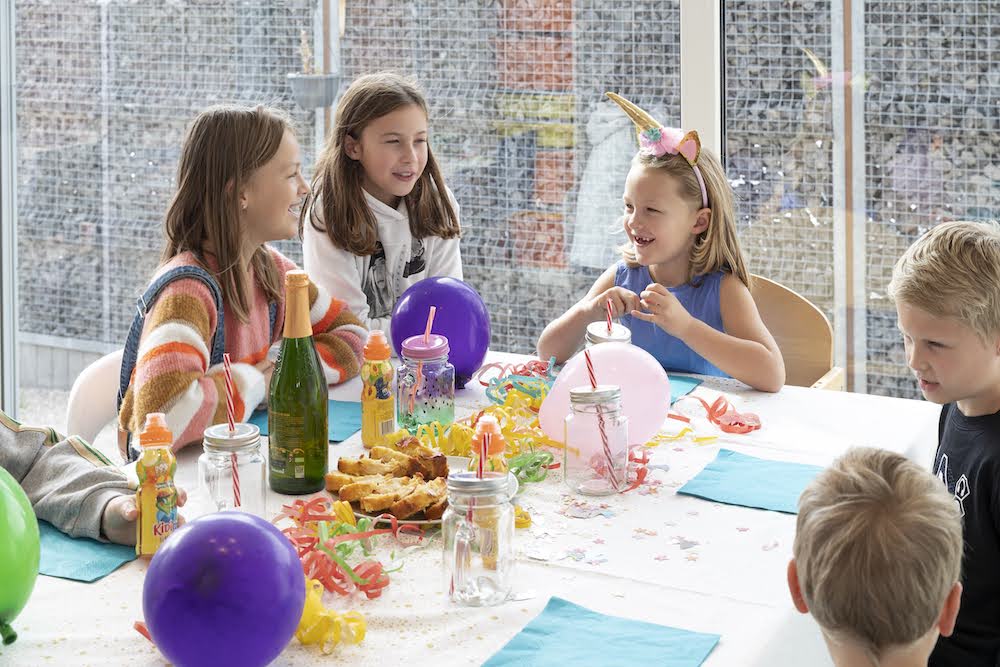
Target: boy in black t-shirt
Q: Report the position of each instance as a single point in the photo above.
(947, 293)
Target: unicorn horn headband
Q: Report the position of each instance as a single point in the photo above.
(657, 140)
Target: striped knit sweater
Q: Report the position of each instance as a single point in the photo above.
(172, 374)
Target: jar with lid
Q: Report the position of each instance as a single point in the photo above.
(595, 457)
(598, 332)
(478, 532)
(232, 470)
(425, 387)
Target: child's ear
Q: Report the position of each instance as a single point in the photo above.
(701, 222)
(946, 622)
(352, 148)
(795, 589)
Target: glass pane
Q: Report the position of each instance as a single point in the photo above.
(779, 132)
(534, 153)
(932, 136)
(104, 93)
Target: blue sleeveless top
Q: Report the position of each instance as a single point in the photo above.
(700, 299)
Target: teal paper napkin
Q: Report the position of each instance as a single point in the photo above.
(78, 558)
(681, 385)
(344, 420)
(737, 479)
(568, 634)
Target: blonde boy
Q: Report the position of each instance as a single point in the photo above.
(877, 553)
(947, 293)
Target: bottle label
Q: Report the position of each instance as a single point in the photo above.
(156, 500)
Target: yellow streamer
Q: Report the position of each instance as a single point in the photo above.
(344, 513)
(326, 627)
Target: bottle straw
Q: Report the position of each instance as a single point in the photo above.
(600, 422)
(610, 312)
(230, 414)
(430, 323)
(420, 364)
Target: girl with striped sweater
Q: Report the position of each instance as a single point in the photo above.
(239, 186)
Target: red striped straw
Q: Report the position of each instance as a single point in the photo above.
(484, 448)
(609, 459)
(610, 313)
(231, 415)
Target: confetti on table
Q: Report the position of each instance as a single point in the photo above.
(773, 544)
(599, 540)
(642, 533)
(585, 510)
(742, 529)
(685, 543)
(661, 557)
(692, 557)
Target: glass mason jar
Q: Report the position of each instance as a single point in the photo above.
(597, 332)
(478, 532)
(224, 452)
(595, 458)
(425, 386)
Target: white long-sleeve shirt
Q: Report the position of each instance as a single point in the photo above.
(371, 284)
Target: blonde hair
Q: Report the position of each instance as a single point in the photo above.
(953, 270)
(717, 247)
(222, 149)
(878, 548)
(346, 217)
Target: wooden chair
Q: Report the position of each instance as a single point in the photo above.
(802, 332)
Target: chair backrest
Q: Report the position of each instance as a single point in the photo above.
(92, 403)
(802, 332)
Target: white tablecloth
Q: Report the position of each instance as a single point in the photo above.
(649, 554)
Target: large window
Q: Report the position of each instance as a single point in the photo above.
(850, 128)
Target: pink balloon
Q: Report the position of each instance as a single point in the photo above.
(644, 383)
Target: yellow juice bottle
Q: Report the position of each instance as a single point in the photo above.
(157, 495)
(378, 404)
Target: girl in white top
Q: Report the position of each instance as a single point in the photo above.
(380, 217)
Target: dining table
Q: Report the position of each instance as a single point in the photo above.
(651, 554)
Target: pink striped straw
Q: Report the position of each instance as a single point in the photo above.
(609, 459)
(231, 415)
(610, 314)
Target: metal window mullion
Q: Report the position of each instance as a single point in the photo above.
(702, 84)
(8, 215)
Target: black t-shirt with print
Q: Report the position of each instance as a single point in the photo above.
(968, 462)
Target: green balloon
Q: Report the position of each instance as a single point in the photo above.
(19, 552)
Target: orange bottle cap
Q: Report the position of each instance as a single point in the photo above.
(489, 424)
(155, 432)
(377, 347)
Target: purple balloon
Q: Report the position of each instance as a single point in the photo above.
(461, 316)
(225, 589)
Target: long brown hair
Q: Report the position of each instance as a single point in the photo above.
(336, 185)
(223, 147)
(717, 247)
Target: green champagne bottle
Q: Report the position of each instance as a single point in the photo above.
(297, 401)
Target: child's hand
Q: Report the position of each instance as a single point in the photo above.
(118, 521)
(664, 310)
(623, 301)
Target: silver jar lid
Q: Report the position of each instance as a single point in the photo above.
(597, 332)
(586, 395)
(218, 436)
(491, 483)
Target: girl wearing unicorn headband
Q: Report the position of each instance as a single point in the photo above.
(682, 285)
